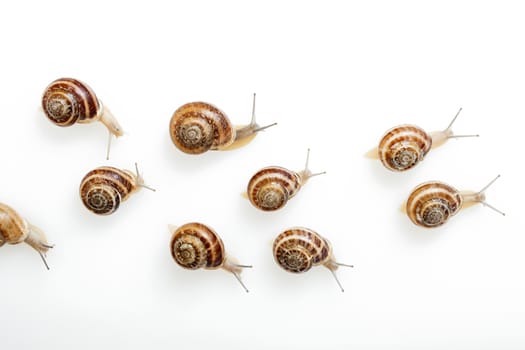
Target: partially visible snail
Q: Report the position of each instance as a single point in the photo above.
(432, 203)
(195, 245)
(104, 188)
(67, 101)
(404, 146)
(14, 229)
(197, 127)
(270, 188)
(298, 249)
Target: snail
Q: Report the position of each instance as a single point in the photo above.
(298, 249)
(433, 203)
(405, 146)
(14, 229)
(67, 101)
(270, 188)
(103, 188)
(197, 127)
(195, 245)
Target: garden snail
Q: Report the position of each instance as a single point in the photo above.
(14, 229)
(432, 203)
(404, 146)
(195, 245)
(197, 127)
(271, 187)
(103, 188)
(298, 249)
(67, 101)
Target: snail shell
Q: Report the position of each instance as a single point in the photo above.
(431, 204)
(271, 187)
(67, 101)
(298, 249)
(104, 188)
(195, 246)
(14, 230)
(197, 127)
(403, 147)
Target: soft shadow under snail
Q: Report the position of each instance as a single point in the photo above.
(14, 230)
(195, 245)
(432, 203)
(405, 146)
(67, 101)
(197, 127)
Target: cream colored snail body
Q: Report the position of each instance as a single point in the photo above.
(271, 187)
(14, 229)
(433, 203)
(197, 127)
(405, 146)
(195, 245)
(104, 188)
(67, 101)
(298, 249)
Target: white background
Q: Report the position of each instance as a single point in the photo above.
(335, 76)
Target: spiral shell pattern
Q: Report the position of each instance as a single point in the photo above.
(271, 187)
(403, 147)
(103, 188)
(198, 127)
(195, 245)
(13, 229)
(66, 101)
(431, 204)
(298, 249)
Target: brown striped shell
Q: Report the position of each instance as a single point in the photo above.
(14, 230)
(104, 188)
(403, 147)
(195, 245)
(431, 204)
(298, 249)
(271, 187)
(197, 127)
(66, 101)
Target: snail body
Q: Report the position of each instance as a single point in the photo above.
(67, 101)
(198, 127)
(14, 230)
(403, 147)
(432, 204)
(195, 246)
(298, 249)
(104, 188)
(271, 187)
